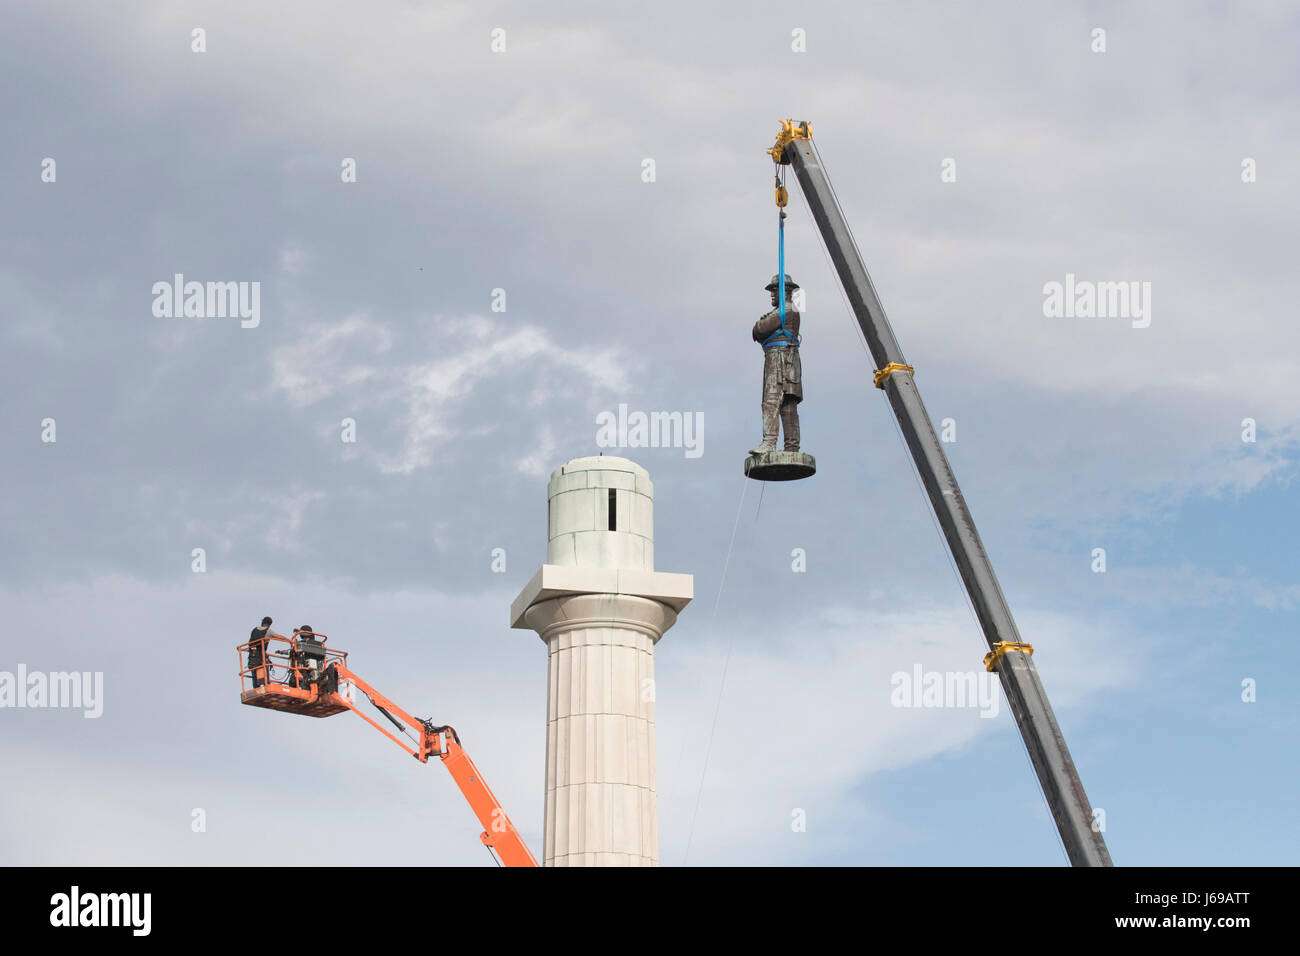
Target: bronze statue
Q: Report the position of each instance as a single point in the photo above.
(782, 370)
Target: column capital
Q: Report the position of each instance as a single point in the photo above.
(551, 581)
(577, 613)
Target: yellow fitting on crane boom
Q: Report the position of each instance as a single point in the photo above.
(789, 133)
(782, 196)
(1001, 647)
(883, 373)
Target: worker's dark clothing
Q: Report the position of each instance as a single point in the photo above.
(300, 675)
(294, 663)
(257, 654)
(782, 377)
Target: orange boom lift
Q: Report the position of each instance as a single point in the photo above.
(299, 675)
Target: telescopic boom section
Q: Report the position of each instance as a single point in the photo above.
(499, 833)
(1008, 655)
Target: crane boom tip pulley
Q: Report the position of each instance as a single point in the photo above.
(789, 133)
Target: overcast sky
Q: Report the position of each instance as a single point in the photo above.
(1169, 159)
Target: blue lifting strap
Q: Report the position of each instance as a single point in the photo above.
(784, 334)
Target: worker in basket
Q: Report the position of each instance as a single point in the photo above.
(307, 659)
(257, 652)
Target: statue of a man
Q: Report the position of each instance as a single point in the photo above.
(782, 371)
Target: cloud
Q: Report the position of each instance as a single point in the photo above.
(432, 402)
(805, 721)
(294, 259)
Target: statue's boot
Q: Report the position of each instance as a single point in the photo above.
(771, 419)
(790, 424)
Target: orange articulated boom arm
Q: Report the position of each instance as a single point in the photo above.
(394, 713)
(498, 832)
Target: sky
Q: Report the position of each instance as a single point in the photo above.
(560, 209)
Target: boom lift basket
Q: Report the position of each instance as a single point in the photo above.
(293, 671)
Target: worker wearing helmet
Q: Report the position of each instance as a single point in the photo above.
(782, 370)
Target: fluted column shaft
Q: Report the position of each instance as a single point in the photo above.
(601, 804)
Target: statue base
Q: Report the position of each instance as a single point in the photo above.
(780, 466)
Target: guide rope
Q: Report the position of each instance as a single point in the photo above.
(726, 660)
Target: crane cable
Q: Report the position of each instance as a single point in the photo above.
(722, 683)
(782, 197)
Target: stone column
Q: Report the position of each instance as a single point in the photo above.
(601, 608)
